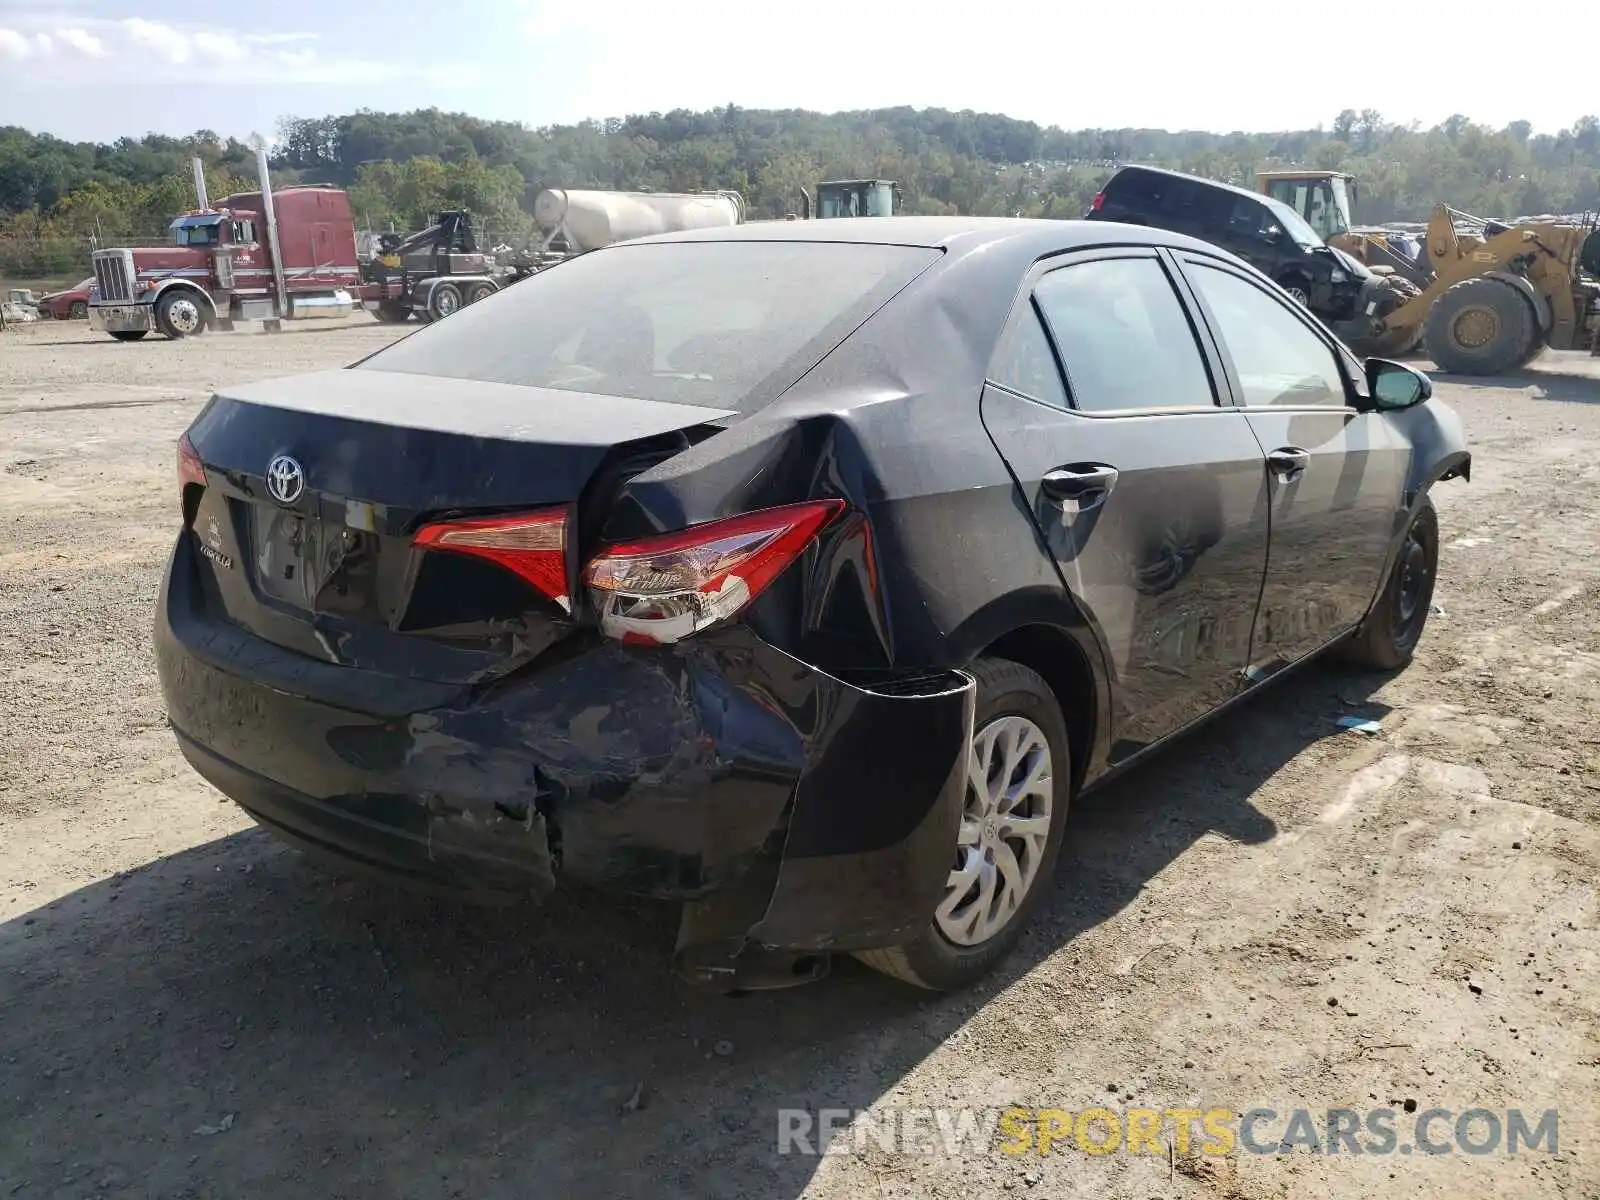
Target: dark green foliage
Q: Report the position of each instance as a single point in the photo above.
(400, 167)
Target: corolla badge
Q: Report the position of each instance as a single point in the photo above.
(286, 479)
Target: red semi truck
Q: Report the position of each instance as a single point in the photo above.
(257, 256)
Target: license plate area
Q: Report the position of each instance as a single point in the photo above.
(316, 563)
(285, 549)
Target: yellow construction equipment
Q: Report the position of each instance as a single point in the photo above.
(1493, 294)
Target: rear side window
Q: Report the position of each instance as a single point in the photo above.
(1124, 337)
(720, 324)
(1141, 190)
(1027, 365)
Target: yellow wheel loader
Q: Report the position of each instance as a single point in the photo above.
(1492, 294)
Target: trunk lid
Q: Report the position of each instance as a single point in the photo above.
(326, 567)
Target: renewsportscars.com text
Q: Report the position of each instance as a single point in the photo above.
(1211, 1131)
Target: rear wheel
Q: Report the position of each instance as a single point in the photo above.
(1480, 326)
(1018, 786)
(179, 315)
(128, 335)
(444, 300)
(1388, 637)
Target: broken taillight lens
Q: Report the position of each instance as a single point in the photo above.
(191, 473)
(531, 545)
(662, 589)
(190, 468)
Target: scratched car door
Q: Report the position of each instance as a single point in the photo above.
(1149, 493)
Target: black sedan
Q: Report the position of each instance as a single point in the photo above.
(799, 573)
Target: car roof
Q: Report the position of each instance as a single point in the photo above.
(1024, 237)
(1211, 183)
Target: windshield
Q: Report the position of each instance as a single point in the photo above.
(1292, 224)
(191, 232)
(1324, 203)
(721, 324)
(862, 200)
(880, 200)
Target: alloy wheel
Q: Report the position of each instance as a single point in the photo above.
(1004, 828)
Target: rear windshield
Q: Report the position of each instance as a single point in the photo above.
(720, 324)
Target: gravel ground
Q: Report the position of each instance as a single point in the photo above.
(1275, 914)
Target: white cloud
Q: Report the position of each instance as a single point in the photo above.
(206, 54)
(83, 42)
(13, 45)
(223, 47)
(171, 44)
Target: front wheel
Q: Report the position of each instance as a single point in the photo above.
(1018, 785)
(1480, 326)
(1388, 637)
(1297, 289)
(179, 315)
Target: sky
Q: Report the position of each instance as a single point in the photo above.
(96, 70)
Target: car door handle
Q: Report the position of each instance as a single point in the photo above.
(1080, 481)
(1289, 462)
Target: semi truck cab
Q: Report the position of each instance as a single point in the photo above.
(256, 256)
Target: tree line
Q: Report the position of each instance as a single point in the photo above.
(58, 198)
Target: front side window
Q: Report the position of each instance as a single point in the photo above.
(1124, 338)
(719, 324)
(1279, 361)
(1293, 224)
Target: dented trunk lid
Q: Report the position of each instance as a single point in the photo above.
(327, 569)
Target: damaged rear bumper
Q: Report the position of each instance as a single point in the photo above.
(788, 809)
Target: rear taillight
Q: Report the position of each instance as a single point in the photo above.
(530, 545)
(662, 589)
(191, 472)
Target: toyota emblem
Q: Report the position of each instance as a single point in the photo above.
(286, 479)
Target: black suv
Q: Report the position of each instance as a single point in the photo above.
(1266, 233)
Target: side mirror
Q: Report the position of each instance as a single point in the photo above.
(1395, 386)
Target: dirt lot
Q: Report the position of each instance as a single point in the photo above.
(1277, 914)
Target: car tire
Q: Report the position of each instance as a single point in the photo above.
(1388, 638)
(78, 310)
(443, 301)
(1299, 289)
(1013, 702)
